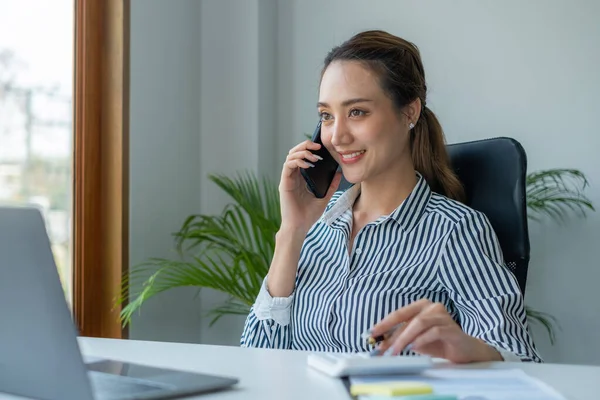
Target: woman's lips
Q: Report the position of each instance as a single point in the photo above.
(351, 157)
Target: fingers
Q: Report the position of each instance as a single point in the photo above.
(298, 155)
(388, 341)
(303, 154)
(401, 315)
(289, 167)
(434, 334)
(420, 317)
(430, 319)
(306, 145)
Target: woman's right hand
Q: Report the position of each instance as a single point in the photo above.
(300, 209)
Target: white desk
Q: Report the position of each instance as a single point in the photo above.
(278, 374)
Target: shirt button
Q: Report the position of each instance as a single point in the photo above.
(358, 251)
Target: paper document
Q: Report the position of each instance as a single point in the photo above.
(472, 384)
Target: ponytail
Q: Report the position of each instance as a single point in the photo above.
(430, 158)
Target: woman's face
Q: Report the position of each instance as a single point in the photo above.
(361, 128)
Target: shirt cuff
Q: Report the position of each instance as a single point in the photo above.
(508, 355)
(275, 308)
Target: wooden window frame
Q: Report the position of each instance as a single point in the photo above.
(100, 164)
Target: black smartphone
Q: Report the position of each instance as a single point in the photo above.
(319, 177)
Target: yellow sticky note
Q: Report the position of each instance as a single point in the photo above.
(390, 388)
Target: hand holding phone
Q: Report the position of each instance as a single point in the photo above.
(320, 177)
(307, 165)
(308, 173)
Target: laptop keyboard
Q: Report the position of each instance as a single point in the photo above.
(115, 387)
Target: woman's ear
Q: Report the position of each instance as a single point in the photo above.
(413, 111)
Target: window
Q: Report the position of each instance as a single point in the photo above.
(63, 141)
(36, 108)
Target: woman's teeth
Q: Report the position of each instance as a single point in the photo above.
(352, 155)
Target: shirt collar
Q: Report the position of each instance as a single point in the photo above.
(407, 214)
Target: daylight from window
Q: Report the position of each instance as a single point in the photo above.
(36, 140)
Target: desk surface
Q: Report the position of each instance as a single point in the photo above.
(276, 374)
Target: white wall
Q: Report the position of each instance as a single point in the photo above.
(202, 102)
(164, 156)
(236, 110)
(521, 69)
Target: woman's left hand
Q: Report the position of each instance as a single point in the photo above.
(430, 330)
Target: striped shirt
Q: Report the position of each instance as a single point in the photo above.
(429, 247)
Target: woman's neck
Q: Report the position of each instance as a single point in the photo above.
(383, 194)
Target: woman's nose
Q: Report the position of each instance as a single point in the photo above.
(340, 134)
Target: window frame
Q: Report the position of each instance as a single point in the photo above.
(100, 165)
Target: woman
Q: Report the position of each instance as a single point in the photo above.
(398, 246)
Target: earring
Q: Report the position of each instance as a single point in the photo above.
(411, 125)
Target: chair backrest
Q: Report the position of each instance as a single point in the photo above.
(493, 173)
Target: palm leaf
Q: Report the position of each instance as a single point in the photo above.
(159, 275)
(230, 307)
(556, 192)
(547, 321)
(230, 252)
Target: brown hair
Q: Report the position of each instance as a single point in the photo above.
(398, 65)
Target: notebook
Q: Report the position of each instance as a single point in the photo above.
(471, 384)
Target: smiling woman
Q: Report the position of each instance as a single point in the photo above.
(398, 247)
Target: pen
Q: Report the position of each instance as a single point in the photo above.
(377, 339)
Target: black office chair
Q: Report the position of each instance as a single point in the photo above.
(493, 173)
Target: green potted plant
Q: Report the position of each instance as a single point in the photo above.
(554, 194)
(231, 252)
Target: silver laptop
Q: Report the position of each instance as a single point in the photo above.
(39, 354)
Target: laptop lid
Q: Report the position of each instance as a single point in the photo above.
(38, 338)
(39, 352)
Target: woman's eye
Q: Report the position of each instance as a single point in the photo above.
(325, 116)
(356, 113)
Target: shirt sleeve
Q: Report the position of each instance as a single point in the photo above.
(268, 324)
(485, 293)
